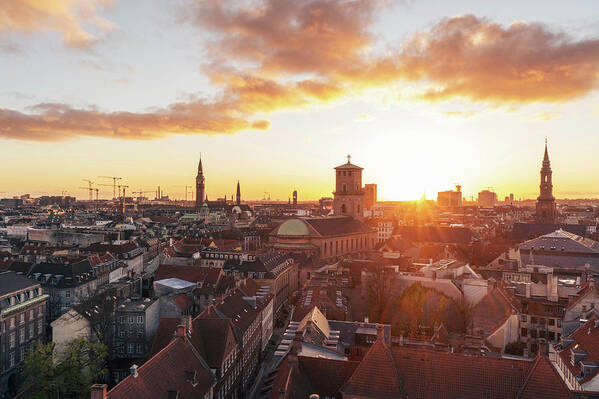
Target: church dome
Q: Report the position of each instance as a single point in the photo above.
(293, 227)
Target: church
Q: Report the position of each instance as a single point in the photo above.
(331, 237)
(546, 210)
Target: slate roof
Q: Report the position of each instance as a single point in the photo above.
(562, 241)
(168, 371)
(82, 270)
(11, 282)
(338, 225)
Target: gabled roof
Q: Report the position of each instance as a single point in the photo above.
(376, 376)
(588, 288)
(348, 165)
(169, 370)
(586, 338)
(213, 338)
(536, 384)
(491, 312)
(164, 334)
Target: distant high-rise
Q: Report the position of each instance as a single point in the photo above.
(370, 195)
(487, 199)
(450, 198)
(238, 196)
(349, 195)
(294, 198)
(200, 186)
(546, 209)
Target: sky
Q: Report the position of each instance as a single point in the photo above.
(276, 93)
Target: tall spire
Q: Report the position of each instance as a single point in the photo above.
(200, 169)
(238, 197)
(546, 156)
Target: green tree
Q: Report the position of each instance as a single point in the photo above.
(69, 376)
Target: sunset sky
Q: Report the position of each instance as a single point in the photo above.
(423, 94)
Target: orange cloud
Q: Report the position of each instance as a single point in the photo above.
(282, 54)
(74, 20)
(479, 60)
(54, 122)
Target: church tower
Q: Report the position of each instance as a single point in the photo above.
(348, 195)
(546, 210)
(238, 195)
(200, 187)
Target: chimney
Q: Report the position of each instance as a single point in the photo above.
(134, 371)
(180, 331)
(186, 321)
(98, 391)
(380, 333)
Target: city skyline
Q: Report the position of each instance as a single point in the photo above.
(110, 88)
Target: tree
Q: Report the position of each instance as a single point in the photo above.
(378, 286)
(69, 376)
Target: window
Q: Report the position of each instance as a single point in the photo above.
(122, 333)
(140, 319)
(551, 322)
(11, 360)
(140, 348)
(130, 348)
(39, 327)
(122, 319)
(140, 333)
(559, 323)
(67, 293)
(524, 332)
(22, 318)
(524, 318)
(131, 319)
(22, 354)
(22, 335)
(12, 340)
(533, 320)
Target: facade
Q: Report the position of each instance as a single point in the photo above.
(546, 211)
(323, 237)
(23, 320)
(200, 186)
(136, 321)
(348, 197)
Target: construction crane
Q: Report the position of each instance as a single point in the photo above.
(114, 180)
(90, 188)
(141, 193)
(186, 187)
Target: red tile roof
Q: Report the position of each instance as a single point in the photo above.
(169, 370)
(540, 382)
(587, 288)
(213, 338)
(183, 302)
(586, 338)
(164, 333)
(376, 376)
